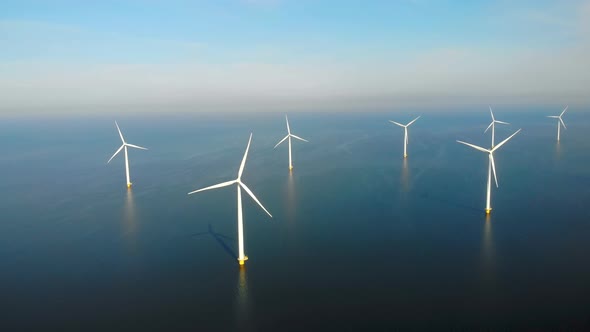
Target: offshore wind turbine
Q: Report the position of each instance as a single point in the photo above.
(241, 257)
(491, 166)
(405, 133)
(289, 135)
(493, 125)
(124, 147)
(559, 121)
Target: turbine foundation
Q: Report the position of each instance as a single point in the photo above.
(242, 261)
(488, 210)
(290, 168)
(405, 155)
(128, 185)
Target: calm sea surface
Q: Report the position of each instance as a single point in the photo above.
(360, 238)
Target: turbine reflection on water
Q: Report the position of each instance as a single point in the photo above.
(557, 151)
(405, 176)
(488, 268)
(130, 220)
(242, 301)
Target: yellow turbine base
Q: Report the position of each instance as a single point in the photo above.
(290, 168)
(241, 261)
(488, 210)
(128, 185)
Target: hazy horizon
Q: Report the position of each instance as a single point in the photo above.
(246, 55)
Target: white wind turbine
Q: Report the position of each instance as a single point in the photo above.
(493, 125)
(491, 166)
(405, 133)
(289, 135)
(559, 121)
(241, 257)
(124, 146)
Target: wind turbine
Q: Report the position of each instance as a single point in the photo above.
(289, 135)
(491, 166)
(405, 133)
(493, 124)
(241, 257)
(124, 146)
(559, 121)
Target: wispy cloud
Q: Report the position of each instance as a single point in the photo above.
(262, 2)
(35, 40)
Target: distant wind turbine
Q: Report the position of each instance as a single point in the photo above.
(491, 166)
(405, 133)
(241, 257)
(493, 125)
(124, 146)
(289, 135)
(559, 121)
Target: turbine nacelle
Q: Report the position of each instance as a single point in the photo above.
(238, 181)
(289, 135)
(125, 144)
(491, 166)
(494, 121)
(491, 152)
(407, 125)
(559, 121)
(124, 147)
(559, 117)
(406, 140)
(241, 256)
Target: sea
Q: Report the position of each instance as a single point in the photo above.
(360, 239)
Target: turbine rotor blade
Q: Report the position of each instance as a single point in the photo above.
(135, 146)
(565, 109)
(244, 159)
(475, 146)
(489, 127)
(253, 197)
(492, 113)
(413, 121)
(220, 185)
(119, 130)
(553, 116)
(288, 128)
(502, 122)
(506, 140)
(121, 148)
(281, 141)
(299, 138)
(563, 123)
(397, 123)
(494, 168)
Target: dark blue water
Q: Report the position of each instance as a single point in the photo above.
(360, 239)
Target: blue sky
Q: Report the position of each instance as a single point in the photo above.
(265, 54)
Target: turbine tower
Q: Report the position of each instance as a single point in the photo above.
(241, 257)
(289, 135)
(493, 125)
(405, 133)
(124, 146)
(559, 121)
(491, 166)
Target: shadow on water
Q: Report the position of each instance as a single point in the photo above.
(221, 239)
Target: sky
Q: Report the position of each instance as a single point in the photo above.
(291, 55)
